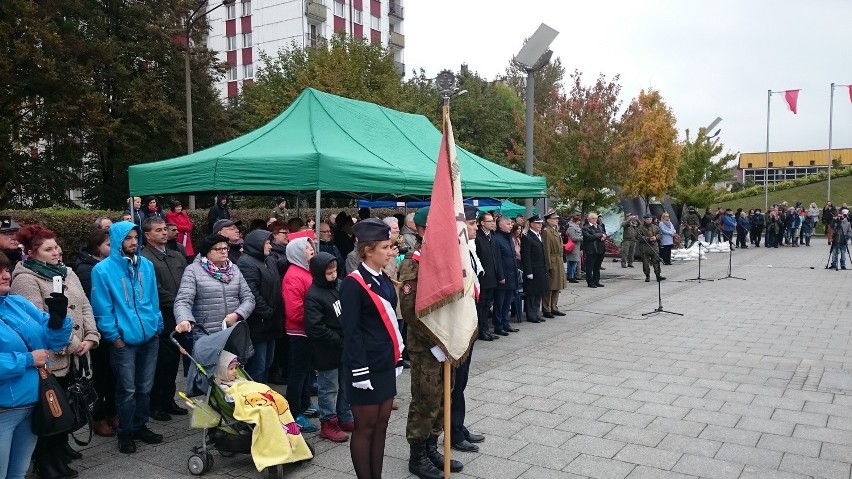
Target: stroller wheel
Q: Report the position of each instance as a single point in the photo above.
(196, 465)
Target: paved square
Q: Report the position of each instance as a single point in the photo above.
(754, 381)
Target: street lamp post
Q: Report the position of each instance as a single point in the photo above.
(188, 24)
(534, 55)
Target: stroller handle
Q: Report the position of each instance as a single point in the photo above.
(177, 344)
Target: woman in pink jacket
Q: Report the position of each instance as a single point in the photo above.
(295, 286)
(184, 226)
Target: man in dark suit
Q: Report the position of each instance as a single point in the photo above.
(593, 247)
(486, 251)
(536, 282)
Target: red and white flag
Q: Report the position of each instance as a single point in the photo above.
(792, 97)
(445, 283)
(850, 92)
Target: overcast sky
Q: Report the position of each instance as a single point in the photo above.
(708, 59)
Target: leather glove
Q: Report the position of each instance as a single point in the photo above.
(57, 307)
(398, 371)
(529, 276)
(438, 353)
(363, 385)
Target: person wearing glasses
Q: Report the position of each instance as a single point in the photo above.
(200, 300)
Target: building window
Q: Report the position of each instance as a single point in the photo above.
(248, 71)
(375, 23)
(246, 8)
(231, 11)
(338, 9)
(247, 40)
(812, 163)
(231, 43)
(359, 17)
(232, 74)
(749, 165)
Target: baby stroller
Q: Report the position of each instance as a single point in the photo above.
(211, 412)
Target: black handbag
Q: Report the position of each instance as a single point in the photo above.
(52, 414)
(82, 397)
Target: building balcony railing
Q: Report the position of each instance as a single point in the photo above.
(396, 12)
(397, 39)
(313, 41)
(316, 10)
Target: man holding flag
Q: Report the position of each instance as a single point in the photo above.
(437, 302)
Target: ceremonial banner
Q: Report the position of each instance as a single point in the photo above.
(445, 293)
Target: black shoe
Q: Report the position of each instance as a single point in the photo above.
(126, 444)
(629, 265)
(573, 280)
(647, 279)
(148, 436)
(533, 320)
(602, 268)
(465, 446)
(512, 330)
(548, 315)
(474, 438)
(421, 466)
(623, 265)
(406, 364)
(504, 333)
(484, 337)
(599, 285)
(70, 452)
(592, 285)
(45, 467)
(63, 468)
(160, 415)
(557, 313)
(661, 278)
(437, 458)
(174, 410)
(541, 319)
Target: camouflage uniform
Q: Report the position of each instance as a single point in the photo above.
(426, 411)
(691, 222)
(628, 242)
(647, 247)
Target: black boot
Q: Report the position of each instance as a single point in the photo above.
(69, 453)
(438, 459)
(420, 465)
(63, 468)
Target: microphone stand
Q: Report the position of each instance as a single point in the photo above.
(699, 278)
(656, 258)
(729, 276)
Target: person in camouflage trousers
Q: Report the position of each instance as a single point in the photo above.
(628, 240)
(649, 235)
(426, 411)
(692, 223)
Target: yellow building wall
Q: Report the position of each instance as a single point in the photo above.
(786, 159)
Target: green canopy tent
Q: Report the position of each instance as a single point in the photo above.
(334, 145)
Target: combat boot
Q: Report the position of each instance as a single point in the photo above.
(438, 459)
(660, 278)
(420, 465)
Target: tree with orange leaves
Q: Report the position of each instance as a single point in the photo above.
(650, 147)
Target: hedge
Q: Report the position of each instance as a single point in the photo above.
(72, 226)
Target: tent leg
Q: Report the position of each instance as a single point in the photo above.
(318, 215)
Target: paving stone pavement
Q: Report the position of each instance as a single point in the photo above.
(753, 381)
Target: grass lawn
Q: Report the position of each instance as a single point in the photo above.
(841, 192)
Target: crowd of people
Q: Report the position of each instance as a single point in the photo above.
(331, 317)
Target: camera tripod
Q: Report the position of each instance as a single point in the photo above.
(835, 246)
(655, 259)
(699, 278)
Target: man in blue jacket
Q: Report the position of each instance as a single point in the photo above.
(127, 310)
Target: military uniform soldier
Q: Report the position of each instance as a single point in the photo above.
(691, 222)
(426, 411)
(648, 235)
(628, 240)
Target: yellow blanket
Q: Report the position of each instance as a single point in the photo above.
(276, 438)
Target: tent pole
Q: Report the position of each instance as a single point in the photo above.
(317, 213)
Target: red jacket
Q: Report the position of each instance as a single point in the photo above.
(295, 286)
(184, 227)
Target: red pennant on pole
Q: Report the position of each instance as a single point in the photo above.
(792, 97)
(850, 92)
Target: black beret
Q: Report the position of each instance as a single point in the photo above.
(470, 212)
(371, 229)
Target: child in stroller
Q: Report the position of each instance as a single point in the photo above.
(237, 414)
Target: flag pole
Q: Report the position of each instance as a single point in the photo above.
(447, 367)
(830, 128)
(766, 166)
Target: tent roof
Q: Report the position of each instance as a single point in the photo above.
(333, 144)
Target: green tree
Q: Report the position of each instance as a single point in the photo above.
(702, 165)
(548, 83)
(649, 144)
(343, 66)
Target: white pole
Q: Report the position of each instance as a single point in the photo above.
(830, 121)
(766, 166)
(318, 216)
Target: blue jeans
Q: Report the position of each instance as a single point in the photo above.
(17, 442)
(258, 365)
(502, 301)
(134, 368)
(331, 397)
(572, 269)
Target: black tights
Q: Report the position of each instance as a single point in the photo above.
(367, 445)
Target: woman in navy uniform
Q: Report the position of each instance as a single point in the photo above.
(372, 346)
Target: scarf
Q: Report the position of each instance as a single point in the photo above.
(46, 270)
(223, 274)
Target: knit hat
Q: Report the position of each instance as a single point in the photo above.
(208, 242)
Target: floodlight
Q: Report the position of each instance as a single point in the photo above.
(536, 46)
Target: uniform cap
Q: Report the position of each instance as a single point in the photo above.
(420, 216)
(7, 225)
(647, 215)
(535, 219)
(371, 229)
(470, 212)
(551, 215)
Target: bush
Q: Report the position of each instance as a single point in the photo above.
(72, 226)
